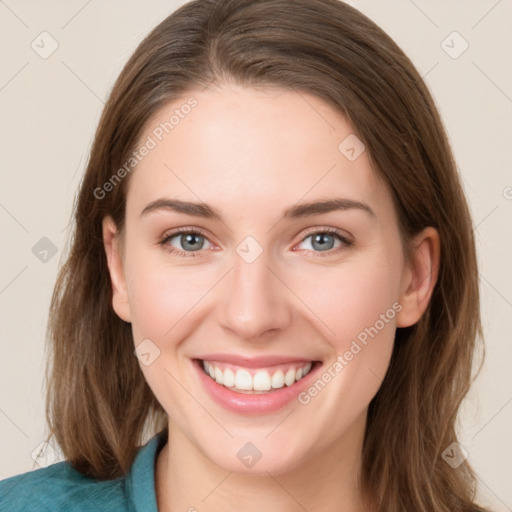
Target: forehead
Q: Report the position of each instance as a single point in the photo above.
(253, 150)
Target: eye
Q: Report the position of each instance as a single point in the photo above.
(184, 242)
(324, 241)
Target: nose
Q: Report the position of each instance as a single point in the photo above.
(256, 300)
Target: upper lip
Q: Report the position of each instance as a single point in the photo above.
(252, 362)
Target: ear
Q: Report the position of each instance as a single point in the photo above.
(419, 277)
(113, 250)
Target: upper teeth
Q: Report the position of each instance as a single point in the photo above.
(262, 380)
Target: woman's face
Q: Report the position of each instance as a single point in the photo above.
(304, 264)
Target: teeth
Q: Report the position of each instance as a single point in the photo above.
(262, 381)
(278, 379)
(228, 378)
(242, 380)
(289, 378)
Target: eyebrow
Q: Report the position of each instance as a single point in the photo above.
(296, 211)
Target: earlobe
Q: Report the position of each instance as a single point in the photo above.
(111, 242)
(420, 277)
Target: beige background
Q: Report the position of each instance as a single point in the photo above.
(49, 111)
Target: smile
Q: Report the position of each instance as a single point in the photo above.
(259, 380)
(255, 386)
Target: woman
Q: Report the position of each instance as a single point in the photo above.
(273, 273)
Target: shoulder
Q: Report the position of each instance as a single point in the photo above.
(60, 487)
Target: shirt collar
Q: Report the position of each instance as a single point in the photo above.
(141, 479)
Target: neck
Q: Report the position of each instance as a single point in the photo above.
(328, 481)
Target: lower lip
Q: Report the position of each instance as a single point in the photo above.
(253, 404)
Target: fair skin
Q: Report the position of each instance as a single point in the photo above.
(251, 154)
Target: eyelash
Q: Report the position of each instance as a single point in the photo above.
(195, 231)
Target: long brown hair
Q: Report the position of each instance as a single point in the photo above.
(98, 402)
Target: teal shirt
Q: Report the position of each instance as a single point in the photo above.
(59, 487)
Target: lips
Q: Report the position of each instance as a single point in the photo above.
(251, 400)
(252, 362)
(244, 379)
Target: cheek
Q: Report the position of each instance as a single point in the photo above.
(356, 306)
(160, 295)
(359, 307)
(164, 303)
(348, 300)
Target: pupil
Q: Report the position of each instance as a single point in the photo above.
(320, 238)
(189, 239)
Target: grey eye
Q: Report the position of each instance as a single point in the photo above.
(188, 241)
(321, 241)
